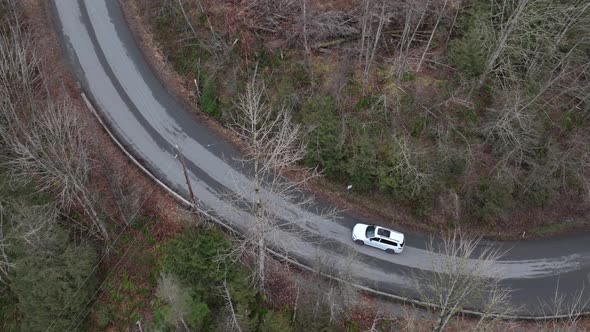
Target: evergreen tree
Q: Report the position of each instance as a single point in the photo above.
(51, 285)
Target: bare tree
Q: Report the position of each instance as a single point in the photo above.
(274, 145)
(52, 151)
(44, 142)
(406, 163)
(236, 318)
(459, 279)
(506, 30)
(370, 35)
(440, 15)
(179, 300)
(304, 23)
(512, 131)
(410, 33)
(569, 309)
(339, 296)
(526, 39)
(128, 197)
(5, 263)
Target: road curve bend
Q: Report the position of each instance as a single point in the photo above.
(112, 71)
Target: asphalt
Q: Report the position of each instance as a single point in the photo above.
(105, 58)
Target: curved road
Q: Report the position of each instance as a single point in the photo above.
(150, 122)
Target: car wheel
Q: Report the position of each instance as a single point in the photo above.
(390, 251)
(359, 242)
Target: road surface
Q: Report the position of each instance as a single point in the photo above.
(112, 71)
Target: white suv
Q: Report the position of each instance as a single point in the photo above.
(378, 237)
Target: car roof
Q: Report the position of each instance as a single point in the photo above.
(387, 233)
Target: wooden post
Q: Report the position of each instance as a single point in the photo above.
(187, 179)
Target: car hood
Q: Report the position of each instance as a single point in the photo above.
(359, 231)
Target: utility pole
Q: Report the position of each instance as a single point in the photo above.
(187, 179)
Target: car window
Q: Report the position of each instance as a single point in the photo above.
(391, 243)
(370, 232)
(376, 239)
(383, 232)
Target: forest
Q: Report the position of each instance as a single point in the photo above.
(461, 113)
(465, 113)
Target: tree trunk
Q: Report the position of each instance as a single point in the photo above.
(261, 261)
(442, 321)
(431, 36)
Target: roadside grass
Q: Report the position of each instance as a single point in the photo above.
(549, 229)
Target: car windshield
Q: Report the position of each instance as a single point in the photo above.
(370, 231)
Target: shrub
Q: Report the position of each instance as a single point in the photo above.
(276, 321)
(187, 60)
(490, 199)
(208, 100)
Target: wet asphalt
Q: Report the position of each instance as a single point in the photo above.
(150, 122)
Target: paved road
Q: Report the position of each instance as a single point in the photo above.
(150, 122)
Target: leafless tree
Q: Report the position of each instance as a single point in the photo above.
(568, 308)
(19, 77)
(409, 33)
(44, 142)
(371, 33)
(179, 300)
(274, 146)
(339, 296)
(234, 319)
(440, 15)
(526, 38)
(459, 279)
(128, 197)
(5, 263)
(512, 131)
(406, 163)
(304, 23)
(506, 31)
(52, 152)
(236, 316)
(24, 224)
